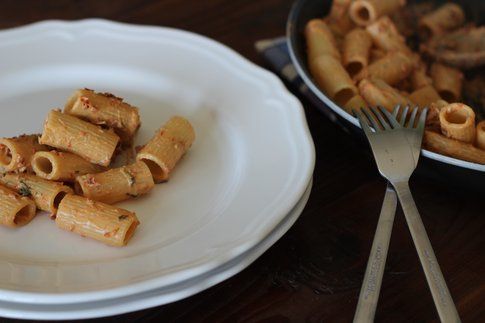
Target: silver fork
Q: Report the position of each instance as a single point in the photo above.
(394, 146)
(371, 284)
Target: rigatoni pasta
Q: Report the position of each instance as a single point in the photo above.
(62, 166)
(364, 12)
(438, 143)
(392, 68)
(447, 81)
(355, 51)
(425, 96)
(320, 40)
(16, 153)
(332, 77)
(117, 184)
(338, 20)
(108, 224)
(457, 121)
(46, 194)
(385, 36)
(167, 146)
(356, 103)
(105, 109)
(15, 210)
(74, 135)
(480, 137)
(378, 93)
(446, 18)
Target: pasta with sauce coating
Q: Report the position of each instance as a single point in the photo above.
(392, 68)
(167, 147)
(74, 135)
(108, 224)
(46, 194)
(446, 18)
(16, 153)
(319, 40)
(62, 166)
(355, 51)
(447, 81)
(438, 143)
(480, 137)
(457, 121)
(105, 109)
(378, 93)
(117, 184)
(15, 210)
(364, 12)
(332, 77)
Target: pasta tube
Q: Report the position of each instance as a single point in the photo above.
(458, 122)
(378, 93)
(446, 18)
(392, 68)
(69, 133)
(333, 79)
(96, 220)
(385, 36)
(419, 78)
(453, 148)
(356, 48)
(376, 53)
(364, 12)
(16, 153)
(424, 96)
(319, 40)
(117, 184)
(447, 81)
(62, 166)
(15, 210)
(356, 103)
(46, 194)
(105, 109)
(338, 19)
(481, 135)
(165, 149)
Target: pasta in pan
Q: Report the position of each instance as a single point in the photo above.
(368, 62)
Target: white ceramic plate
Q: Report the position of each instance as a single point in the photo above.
(250, 164)
(158, 296)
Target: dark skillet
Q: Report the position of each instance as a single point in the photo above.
(441, 168)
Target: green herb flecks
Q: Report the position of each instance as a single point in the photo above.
(24, 189)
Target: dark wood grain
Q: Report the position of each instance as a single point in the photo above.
(313, 274)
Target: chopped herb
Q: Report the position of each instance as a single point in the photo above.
(123, 217)
(24, 189)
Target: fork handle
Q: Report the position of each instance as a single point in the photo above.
(437, 284)
(371, 286)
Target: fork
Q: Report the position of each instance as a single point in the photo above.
(394, 146)
(371, 284)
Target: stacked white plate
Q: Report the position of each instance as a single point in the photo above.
(238, 190)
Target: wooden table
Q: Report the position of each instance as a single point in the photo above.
(314, 272)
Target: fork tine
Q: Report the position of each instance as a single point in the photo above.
(413, 117)
(363, 124)
(404, 114)
(422, 119)
(381, 119)
(371, 119)
(390, 117)
(395, 111)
